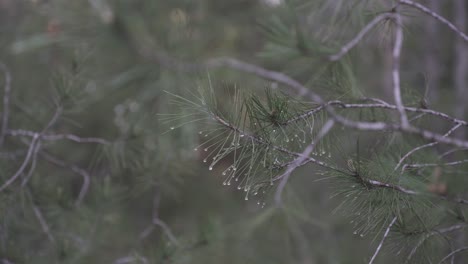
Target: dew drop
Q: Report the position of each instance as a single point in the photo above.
(172, 128)
(210, 168)
(204, 160)
(195, 149)
(206, 149)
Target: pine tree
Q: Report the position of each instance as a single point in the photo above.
(243, 131)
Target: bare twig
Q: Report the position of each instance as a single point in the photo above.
(396, 70)
(15, 176)
(423, 146)
(279, 77)
(156, 221)
(432, 233)
(422, 165)
(55, 137)
(381, 104)
(43, 223)
(325, 129)
(383, 239)
(167, 230)
(33, 164)
(351, 44)
(390, 186)
(82, 172)
(6, 102)
(452, 254)
(436, 16)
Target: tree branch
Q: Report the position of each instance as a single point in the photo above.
(279, 191)
(383, 239)
(452, 254)
(436, 16)
(396, 70)
(351, 44)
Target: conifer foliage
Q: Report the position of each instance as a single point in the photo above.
(129, 128)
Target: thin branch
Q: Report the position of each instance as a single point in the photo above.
(432, 233)
(390, 186)
(166, 230)
(32, 151)
(6, 102)
(452, 254)
(383, 239)
(33, 164)
(351, 44)
(423, 146)
(23, 165)
(43, 223)
(279, 77)
(422, 165)
(396, 70)
(156, 221)
(55, 137)
(381, 104)
(436, 16)
(82, 172)
(279, 191)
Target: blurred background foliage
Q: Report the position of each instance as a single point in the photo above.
(108, 63)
